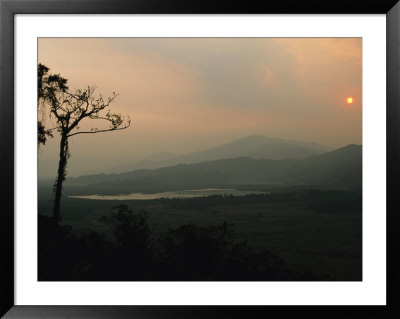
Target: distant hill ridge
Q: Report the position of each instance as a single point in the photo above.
(258, 147)
(254, 146)
(338, 168)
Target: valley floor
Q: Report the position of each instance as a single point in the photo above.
(304, 229)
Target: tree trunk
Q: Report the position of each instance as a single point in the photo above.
(62, 164)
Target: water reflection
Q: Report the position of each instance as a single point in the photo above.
(173, 194)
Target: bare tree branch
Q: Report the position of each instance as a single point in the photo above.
(98, 131)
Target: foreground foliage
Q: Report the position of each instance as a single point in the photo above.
(189, 253)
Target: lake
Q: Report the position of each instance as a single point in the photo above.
(173, 194)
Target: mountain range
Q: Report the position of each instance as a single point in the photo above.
(253, 146)
(341, 168)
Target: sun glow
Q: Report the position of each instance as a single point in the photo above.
(349, 100)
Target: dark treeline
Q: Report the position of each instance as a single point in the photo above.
(189, 253)
(340, 201)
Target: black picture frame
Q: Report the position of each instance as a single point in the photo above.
(9, 8)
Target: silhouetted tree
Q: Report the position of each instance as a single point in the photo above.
(133, 250)
(193, 252)
(69, 109)
(47, 88)
(130, 229)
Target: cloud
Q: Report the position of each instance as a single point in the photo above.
(186, 93)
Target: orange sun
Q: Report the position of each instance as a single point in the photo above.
(349, 100)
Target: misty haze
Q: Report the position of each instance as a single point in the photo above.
(216, 159)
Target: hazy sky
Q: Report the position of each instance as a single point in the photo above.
(189, 94)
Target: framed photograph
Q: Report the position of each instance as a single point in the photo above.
(192, 160)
